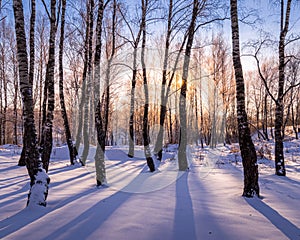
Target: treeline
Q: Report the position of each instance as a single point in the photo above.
(140, 73)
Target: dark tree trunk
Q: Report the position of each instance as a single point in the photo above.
(248, 152)
(71, 147)
(163, 107)
(101, 119)
(265, 114)
(32, 154)
(132, 94)
(279, 155)
(47, 138)
(22, 160)
(146, 137)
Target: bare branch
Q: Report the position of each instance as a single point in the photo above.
(49, 16)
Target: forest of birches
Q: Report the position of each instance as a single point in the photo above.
(114, 69)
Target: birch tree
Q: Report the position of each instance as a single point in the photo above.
(101, 134)
(247, 148)
(72, 149)
(86, 119)
(182, 158)
(47, 138)
(22, 160)
(175, 21)
(39, 188)
(146, 137)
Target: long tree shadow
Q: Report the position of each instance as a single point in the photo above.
(57, 170)
(81, 227)
(19, 192)
(78, 177)
(284, 225)
(184, 222)
(91, 219)
(27, 216)
(9, 168)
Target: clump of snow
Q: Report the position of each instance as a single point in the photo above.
(39, 190)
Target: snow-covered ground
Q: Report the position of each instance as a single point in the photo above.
(203, 203)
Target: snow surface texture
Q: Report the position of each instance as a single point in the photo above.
(203, 203)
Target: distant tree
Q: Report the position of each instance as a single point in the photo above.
(3, 82)
(135, 41)
(247, 148)
(32, 153)
(175, 21)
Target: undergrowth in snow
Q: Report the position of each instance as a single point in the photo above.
(203, 203)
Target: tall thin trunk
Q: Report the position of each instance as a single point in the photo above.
(84, 85)
(182, 158)
(47, 138)
(265, 114)
(99, 155)
(165, 88)
(163, 107)
(3, 104)
(22, 160)
(248, 152)
(15, 101)
(71, 147)
(132, 94)
(88, 83)
(37, 195)
(284, 27)
(101, 119)
(146, 137)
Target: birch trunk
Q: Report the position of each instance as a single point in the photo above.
(248, 152)
(86, 119)
(99, 156)
(47, 138)
(279, 155)
(71, 147)
(146, 137)
(22, 160)
(182, 158)
(32, 154)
